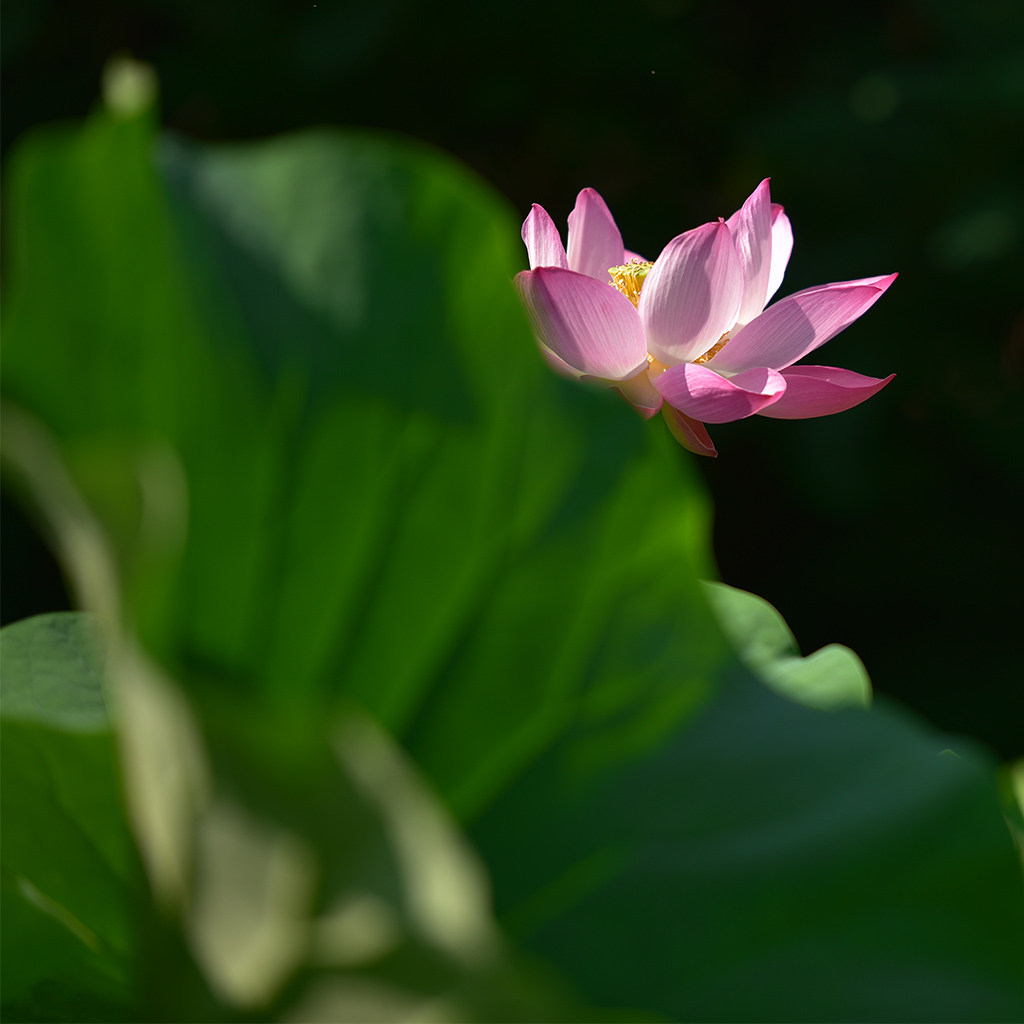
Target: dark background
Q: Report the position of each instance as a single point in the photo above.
(894, 136)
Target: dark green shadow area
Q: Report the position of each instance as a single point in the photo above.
(770, 862)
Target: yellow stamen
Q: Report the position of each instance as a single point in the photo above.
(714, 350)
(655, 368)
(629, 278)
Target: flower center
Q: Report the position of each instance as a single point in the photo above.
(629, 278)
(714, 350)
(655, 368)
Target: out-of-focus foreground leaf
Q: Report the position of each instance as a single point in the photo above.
(357, 902)
(72, 881)
(333, 469)
(293, 385)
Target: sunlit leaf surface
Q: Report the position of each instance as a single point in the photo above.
(832, 677)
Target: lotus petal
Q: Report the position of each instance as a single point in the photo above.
(641, 394)
(543, 244)
(690, 433)
(798, 324)
(560, 366)
(821, 391)
(751, 229)
(589, 325)
(691, 295)
(704, 395)
(595, 243)
(782, 248)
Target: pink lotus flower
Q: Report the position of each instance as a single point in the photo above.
(689, 334)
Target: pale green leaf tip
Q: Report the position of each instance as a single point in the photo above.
(829, 679)
(129, 86)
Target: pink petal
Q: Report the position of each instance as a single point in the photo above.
(589, 325)
(688, 432)
(630, 255)
(641, 394)
(751, 229)
(821, 391)
(543, 244)
(703, 395)
(691, 295)
(560, 366)
(595, 243)
(782, 247)
(798, 324)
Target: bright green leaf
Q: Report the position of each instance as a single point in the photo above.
(832, 677)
